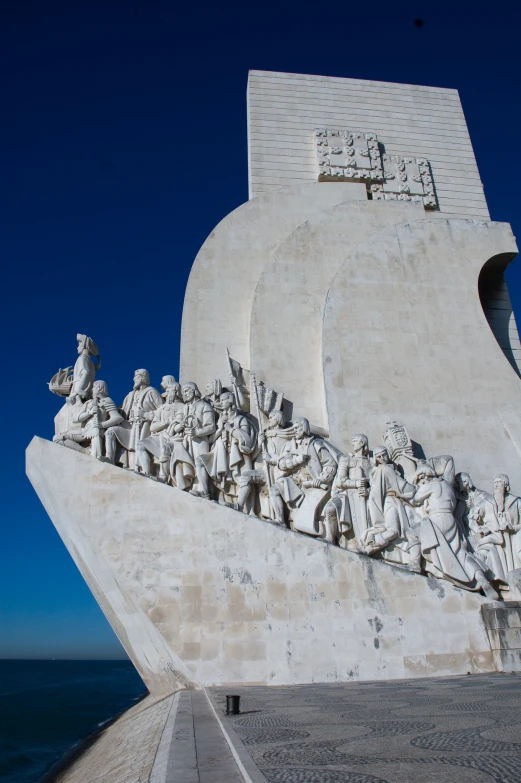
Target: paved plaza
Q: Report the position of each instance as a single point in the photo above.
(464, 729)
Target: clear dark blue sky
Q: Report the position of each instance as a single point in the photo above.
(123, 141)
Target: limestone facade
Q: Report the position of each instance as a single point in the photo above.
(284, 109)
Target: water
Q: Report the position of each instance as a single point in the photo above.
(48, 706)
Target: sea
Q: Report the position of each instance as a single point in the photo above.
(47, 707)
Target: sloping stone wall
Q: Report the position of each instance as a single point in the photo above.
(125, 751)
(201, 595)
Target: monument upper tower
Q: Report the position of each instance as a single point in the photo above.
(409, 120)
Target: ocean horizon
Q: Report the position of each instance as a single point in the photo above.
(48, 706)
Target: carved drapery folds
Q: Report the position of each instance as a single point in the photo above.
(344, 156)
(413, 512)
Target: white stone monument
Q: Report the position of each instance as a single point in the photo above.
(244, 525)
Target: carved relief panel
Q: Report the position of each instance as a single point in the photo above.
(347, 155)
(407, 179)
(397, 441)
(344, 155)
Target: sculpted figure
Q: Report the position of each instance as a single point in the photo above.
(305, 463)
(271, 442)
(67, 429)
(84, 370)
(507, 508)
(489, 544)
(85, 425)
(346, 511)
(176, 443)
(391, 531)
(158, 444)
(198, 423)
(469, 497)
(142, 400)
(446, 552)
(96, 416)
(233, 445)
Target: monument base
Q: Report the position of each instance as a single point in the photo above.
(200, 594)
(503, 623)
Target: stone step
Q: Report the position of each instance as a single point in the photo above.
(193, 748)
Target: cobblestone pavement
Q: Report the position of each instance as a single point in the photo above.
(463, 729)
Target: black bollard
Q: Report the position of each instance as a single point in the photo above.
(233, 705)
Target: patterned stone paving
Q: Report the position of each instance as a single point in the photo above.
(442, 730)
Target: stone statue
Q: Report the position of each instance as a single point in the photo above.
(78, 385)
(272, 440)
(84, 371)
(306, 463)
(489, 544)
(446, 553)
(346, 511)
(199, 421)
(67, 429)
(96, 416)
(177, 444)
(142, 400)
(507, 508)
(85, 427)
(468, 497)
(275, 437)
(158, 444)
(233, 445)
(391, 532)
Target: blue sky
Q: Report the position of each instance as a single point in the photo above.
(123, 141)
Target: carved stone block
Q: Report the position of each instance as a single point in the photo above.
(397, 441)
(347, 155)
(406, 179)
(344, 155)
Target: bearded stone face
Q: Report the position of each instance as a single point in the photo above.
(462, 484)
